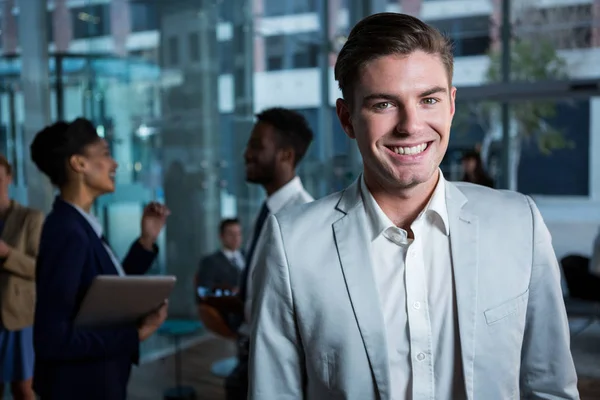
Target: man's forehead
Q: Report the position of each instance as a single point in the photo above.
(417, 70)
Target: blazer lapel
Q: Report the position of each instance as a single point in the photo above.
(105, 263)
(464, 230)
(352, 245)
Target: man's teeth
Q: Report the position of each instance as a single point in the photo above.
(410, 150)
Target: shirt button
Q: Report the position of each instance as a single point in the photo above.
(416, 305)
(420, 356)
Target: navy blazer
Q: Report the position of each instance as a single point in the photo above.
(73, 363)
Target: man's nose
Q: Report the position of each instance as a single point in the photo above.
(409, 120)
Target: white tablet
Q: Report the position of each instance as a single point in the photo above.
(114, 300)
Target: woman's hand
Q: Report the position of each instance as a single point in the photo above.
(154, 218)
(152, 322)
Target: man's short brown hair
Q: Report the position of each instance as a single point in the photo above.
(387, 34)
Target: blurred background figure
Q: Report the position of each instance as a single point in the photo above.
(473, 170)
(219, 273)
(20, 229)
(222, 268)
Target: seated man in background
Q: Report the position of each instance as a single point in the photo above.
(219, 274)
(221, 269)
(582, 274)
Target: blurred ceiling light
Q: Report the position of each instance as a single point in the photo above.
(86, 17)
(145, 131)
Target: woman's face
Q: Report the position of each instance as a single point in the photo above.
(97, 167)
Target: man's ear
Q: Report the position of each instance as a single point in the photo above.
(343, 112)
(452, 101)
(77, 163)
(287, 154)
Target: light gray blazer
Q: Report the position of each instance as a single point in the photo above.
(318, 331)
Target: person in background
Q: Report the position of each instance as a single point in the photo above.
(222, 268)
(473, 170)
(72, 362)
(278, 142)
(20, 229)
(582, 273)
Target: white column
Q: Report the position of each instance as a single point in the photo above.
(36, 93)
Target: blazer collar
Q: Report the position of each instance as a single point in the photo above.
(464, 244)
(350, 197)
(352, 240)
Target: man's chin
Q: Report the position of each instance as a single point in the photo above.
(413, 179)
(253, 179)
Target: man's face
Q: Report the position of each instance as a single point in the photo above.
(261, 154)
(400, 116)
(231, 237)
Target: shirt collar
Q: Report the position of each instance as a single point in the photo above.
(437, 204)
(278, 200)
(230, 253)
(94, 223)
(378, 222)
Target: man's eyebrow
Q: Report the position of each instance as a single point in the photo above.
(433, 90)
(391, 97)
(379, 96)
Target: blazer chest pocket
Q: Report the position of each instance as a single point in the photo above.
(508, 308)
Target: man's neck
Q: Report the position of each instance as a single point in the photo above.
(278, 183)
(403, 206)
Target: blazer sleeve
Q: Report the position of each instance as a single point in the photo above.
(59, 271)
(139, 260)
(547, 368)
(21, 262)
(276, 366)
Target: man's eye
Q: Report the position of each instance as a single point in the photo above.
(382, 106)
(430, 101)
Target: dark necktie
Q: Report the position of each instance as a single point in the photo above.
(260, 221)
(233, 261)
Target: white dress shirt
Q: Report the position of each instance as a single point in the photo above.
(416, 292)
(97, 227)
(235, 257)
(290, 194)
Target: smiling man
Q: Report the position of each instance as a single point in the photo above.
(404, 285)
